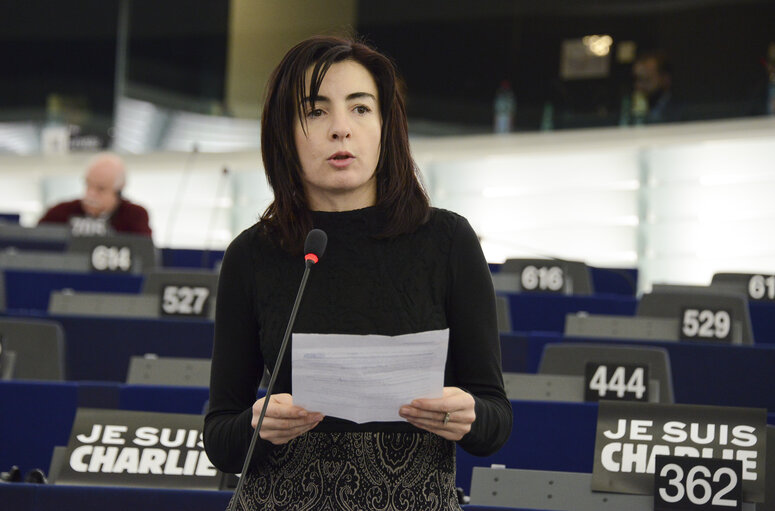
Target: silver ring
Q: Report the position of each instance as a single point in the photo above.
(446, 418)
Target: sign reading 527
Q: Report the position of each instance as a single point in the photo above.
(184, 301)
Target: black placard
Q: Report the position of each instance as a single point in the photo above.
(706, 324)
(146, 449)
(88, 226)
(630, 436)
(692, 484)
(624, 382)
(183, 300)
(111, 258)
(761, 287)
(544, 279)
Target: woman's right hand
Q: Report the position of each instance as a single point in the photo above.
(283, 421)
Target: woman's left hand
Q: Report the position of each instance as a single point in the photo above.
(449, 416)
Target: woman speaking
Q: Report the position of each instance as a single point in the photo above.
(336, 153)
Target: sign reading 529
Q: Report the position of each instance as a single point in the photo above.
(706, 324)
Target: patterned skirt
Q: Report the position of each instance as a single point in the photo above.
(386, 471)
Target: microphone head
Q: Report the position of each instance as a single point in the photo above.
(315, 245)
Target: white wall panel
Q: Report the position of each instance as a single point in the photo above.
(709, 208)
(680, 202)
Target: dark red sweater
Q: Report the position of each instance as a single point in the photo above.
(127, 217)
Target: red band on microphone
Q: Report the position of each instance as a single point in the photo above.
(311, 257)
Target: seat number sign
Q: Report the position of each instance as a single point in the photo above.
(761, 287)
(549, 279)
(111, 259)
(624, 382)
(706, 324)
(192, 301)
(686, 484)
(84, 226)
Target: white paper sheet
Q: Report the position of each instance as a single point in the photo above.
(365, 378)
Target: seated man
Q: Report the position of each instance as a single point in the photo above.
(102, 209)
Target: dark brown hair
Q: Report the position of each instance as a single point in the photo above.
(399, 192)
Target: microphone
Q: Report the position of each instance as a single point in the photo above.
(314, 247)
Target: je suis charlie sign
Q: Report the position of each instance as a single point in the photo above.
(630, 437)
(126, 448)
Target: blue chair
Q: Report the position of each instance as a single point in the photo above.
(547, 312)
(36, 417)
(544, 436)
(38, 345)
(29, 291)
(99, 349)
(703, 373)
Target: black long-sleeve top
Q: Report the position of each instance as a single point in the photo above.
(431, 279)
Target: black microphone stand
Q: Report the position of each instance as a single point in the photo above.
(307, 266)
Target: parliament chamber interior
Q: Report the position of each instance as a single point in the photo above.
(632, 262)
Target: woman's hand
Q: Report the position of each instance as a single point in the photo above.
(449, 416)
(283, 421)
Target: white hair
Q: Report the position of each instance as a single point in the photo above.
(117, 161)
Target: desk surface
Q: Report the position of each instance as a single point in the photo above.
(32, 497)
(38, 497)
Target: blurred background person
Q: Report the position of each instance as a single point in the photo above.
(653, 100)
(102, 209)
